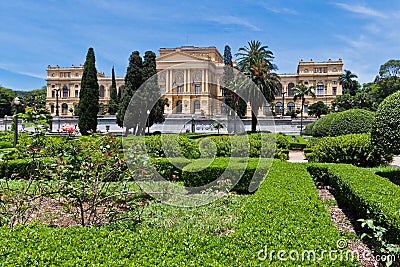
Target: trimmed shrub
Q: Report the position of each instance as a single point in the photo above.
(371, 196)
(4, 144)
(352, 121)
(354, 149)
(282, 141)
(386, 129)
(322, 126)
(309, 128)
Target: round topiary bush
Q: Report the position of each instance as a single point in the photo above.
(322, 126)
(308, 129)
(352, 121)
(386, 129)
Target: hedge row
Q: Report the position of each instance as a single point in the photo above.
(371, 196)
(354, 149)
(252, 145)
(200, 172)
(20, 168)
(284, 214)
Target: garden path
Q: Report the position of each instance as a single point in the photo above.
(297, 156)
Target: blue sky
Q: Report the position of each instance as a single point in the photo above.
(34, 34)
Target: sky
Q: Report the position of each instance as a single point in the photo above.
(35, 34)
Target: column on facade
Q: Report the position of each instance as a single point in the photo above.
(185, 81)
(166, 72)
(202, 81)
(207, 82)
(190, 82)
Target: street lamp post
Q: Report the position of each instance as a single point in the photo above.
(17, 102)
(57, 112)
(5, 122)
(193, 130)
(283, 103)
(148, 122)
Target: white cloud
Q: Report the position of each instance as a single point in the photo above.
(362, 10)
(233, 20)
(13, 69)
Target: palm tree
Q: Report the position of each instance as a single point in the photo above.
(349, 85)
(254, 61)
(300, 91)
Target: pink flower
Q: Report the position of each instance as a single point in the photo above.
(173, 176)
(144, 172)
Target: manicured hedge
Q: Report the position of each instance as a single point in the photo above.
(322, 126)
(386, 130)
(298, 144)
(20, 168)
(197, 173)
(393, 174)
(354, 149)
(284, 214)
(371, 196)
(352, 121)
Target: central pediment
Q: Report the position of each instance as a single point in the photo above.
(179, 57)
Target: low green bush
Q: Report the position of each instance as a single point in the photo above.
(393, 174)
(282, 141)
(371, 196)
(354, 149)
(309, 128)
(5, 144)
(352, 121)
(322, 126)
(20, 168)
(296, 142)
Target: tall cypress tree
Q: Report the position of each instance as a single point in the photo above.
(113, 104)
(88, 105)
(133, 80)
(150, 78)
(231, 99)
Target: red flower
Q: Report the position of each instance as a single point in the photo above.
(144, 172)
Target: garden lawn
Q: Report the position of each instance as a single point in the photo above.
(284, 214)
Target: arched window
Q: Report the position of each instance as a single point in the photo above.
(278, 107)
(196, 105)
(179, 106)
(64, 108)
(51, 108)
(320, 88)
(290, 106)
(65, 91)
(279, 93)
(101, 91)
(290, 89)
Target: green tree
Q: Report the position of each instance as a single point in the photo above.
(6, 98)
(319, 108)
(88, 105)
(255, 61)
(300, 92)
(133, 80)
(150, 78)
(113, 104)
(231, 99)
(348, 83)
(390, 69)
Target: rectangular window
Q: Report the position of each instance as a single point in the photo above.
(76, 93)
(197, 89)
(334, 90)
(306, 108)
(179, 89)
(324, 70)
(53, 94)
(162, 89)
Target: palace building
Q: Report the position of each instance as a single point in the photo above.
(190, 77)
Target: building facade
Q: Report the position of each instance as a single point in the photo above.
(190, 77)
(66, 82)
